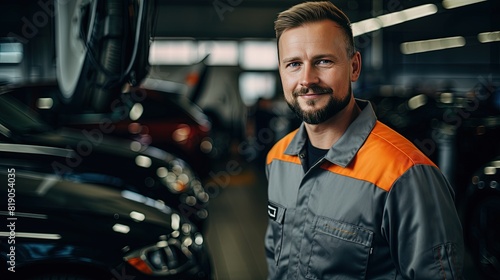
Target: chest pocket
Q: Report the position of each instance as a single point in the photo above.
(338, 250)
(276, 214)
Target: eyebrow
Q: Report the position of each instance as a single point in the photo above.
(316, 57)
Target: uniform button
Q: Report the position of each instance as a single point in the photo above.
(302, 155)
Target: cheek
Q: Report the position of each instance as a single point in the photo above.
(288, 82)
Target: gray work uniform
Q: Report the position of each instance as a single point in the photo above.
(374, 207)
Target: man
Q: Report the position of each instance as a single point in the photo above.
(349, 198)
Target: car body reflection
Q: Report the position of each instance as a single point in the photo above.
(85, 205)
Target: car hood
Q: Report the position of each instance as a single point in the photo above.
(51, 212)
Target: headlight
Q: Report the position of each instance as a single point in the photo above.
(164, 258)
(167, 257)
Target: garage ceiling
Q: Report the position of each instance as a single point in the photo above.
(222, 19)
(234, 19)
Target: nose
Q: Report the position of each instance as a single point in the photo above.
(309, 76)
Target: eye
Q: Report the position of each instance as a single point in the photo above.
(293, 65)
(324, 62)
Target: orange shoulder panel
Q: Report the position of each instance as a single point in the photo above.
(278, 150)
(383, 158)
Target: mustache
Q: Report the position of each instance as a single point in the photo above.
(314, 89)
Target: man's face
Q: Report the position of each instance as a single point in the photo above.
(316, 72)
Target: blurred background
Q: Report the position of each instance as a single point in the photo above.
(198, 80)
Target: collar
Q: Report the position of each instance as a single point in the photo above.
(344, 150)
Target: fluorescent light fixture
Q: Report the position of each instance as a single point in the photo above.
(451, 4)
(432, 45)
(258, 55)
(221, 52)
(180, 52)
(185, 52)
(373, 24)
(487, 37)
(408, 14)
(365, 26)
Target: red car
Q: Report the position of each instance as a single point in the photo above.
(167, 121)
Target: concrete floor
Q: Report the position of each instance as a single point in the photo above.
(237, 224)
(238, 221)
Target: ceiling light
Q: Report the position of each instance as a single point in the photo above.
(181, 52)
(373, 24)
(432, 45)
(258, 55)
(450, 4)
(487, 37)
(365, 26)
(408, 14)
(221, 52)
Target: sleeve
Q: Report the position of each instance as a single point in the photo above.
(269, 246)
(422, 226)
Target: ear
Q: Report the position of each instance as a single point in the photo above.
(355, 66)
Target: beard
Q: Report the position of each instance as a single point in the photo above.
(320, 115)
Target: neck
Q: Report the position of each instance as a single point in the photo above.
(326, 134)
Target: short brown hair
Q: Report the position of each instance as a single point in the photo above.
(308, 12)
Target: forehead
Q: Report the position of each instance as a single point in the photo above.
(322, 35)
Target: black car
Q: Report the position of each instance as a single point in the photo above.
(145, 169)
(78, 202)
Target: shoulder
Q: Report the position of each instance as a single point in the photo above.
(390, 155)
(388, 145)
(278, 150)
(384, 157)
